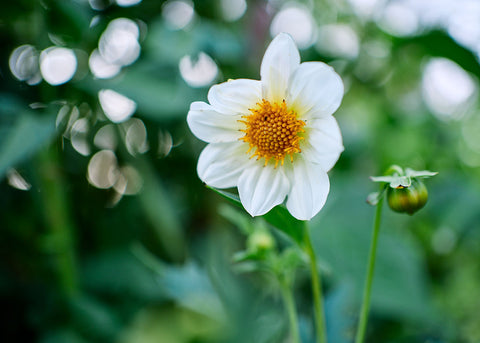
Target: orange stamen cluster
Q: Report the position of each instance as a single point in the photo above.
(273, 130)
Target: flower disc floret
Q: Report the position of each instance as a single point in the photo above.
(273, 131)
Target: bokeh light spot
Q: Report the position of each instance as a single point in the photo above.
(57, 65)
(366, 8)
(23, 63)
(17, 181)
(233, 9)
(119, 42)
(199, 72)
(106, 137)
(100, 68)
(78, 136)
(136, 137)
(464, 25)
(129, 181)
(99, 5)
(298, 22)
(399, 19)
(338, 40)
(447, 88)
(128, 3)
(103, 169)
(165, 143)
(116, 107)
(178, 14)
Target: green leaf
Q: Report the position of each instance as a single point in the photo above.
(189, 284)
(394, 180)
(237, 218)
(158, 96)
(419, 173)
(292, 258)
(440, 43)
(283, 220)
(249, 266)
(231, 197)
(160, 211)
(400, 178)
(279, 217)
(226, 47)
(338, 308)
(242, 256)
(95, 318)
(342, 240)
(27, 135)
(62, 335)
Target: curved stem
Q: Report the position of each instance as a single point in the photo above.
(289, 301)
(316, 290)
(362, 322)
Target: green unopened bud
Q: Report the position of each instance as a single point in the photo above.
(260, 241)
(408, 199)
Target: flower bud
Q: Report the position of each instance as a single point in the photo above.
(408, 199)
(260, 242)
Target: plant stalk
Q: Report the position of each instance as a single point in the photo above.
(362, 322)
(287, 295)
(59, 240)
(320, 326)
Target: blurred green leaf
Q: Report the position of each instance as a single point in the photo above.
(172, 324)
(279, 217)
(68, 18)
(338, 308)
(242, 221)
(189, 284)
(94, 319)
(289, 260)
(120, 274)
(62, 336)
(170, 46)
(29, 133)
(282, 220)
(161, 212)
(439, 43)
(400, 286)
(158, 96)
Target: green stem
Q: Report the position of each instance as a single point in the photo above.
(58, 241)
(316, 290)
(362, 322)
(287, 295)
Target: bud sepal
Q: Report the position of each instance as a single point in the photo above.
(406, 193)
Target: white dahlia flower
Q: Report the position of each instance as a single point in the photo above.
(273, 139)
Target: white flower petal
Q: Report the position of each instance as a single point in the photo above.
(220, 164)
(315, 90)
(310, 187)
(235, 96)
(324, 142)
(278, 64)
(262, 187)
(211, 126)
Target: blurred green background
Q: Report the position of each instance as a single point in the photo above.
(107, 234)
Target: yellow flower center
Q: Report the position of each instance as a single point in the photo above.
(273, 130)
